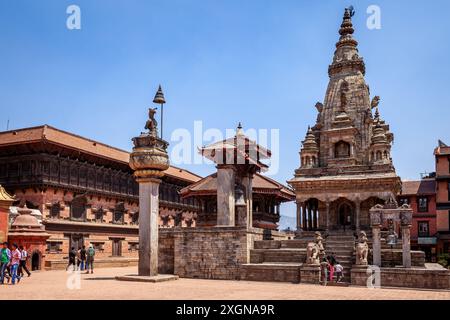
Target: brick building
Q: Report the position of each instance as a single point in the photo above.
(442, 154)
(421, 196)
(85, 191)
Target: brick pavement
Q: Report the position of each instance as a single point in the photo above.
(101, 285)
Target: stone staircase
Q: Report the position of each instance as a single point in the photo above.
(342, 246)
(275, 260)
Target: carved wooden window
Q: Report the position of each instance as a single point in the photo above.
(423, 204)
(119, 212)
(26, 168)
(74, 175)
(133, 246)
(13, 169)
(91, 178)
(54, 171)
(135, 219)
(55, 211)
(424, 229)
(54, 246)
(45, 168)
(403, 201)
(99, 215)
(342, 150)
(78, 209)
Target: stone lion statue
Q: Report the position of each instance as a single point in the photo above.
(312, 253)
(362, 249)
(315, 250)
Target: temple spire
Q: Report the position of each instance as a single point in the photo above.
(346, 57)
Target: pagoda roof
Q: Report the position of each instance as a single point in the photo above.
(261, 184)
(79, 145)
(241, 146)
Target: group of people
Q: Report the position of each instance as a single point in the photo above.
(330, 266)
(82, 259)
(13, 263)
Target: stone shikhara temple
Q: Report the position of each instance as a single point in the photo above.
(224, 226)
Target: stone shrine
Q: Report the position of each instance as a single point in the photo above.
(346, 166)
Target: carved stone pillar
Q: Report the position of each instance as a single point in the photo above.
(357, 214)
(310, 222)
(327, 213)
(304, 217)
(225, 196)
(299, 215)
(406, 219)
(314, 213)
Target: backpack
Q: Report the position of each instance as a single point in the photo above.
(91, 252)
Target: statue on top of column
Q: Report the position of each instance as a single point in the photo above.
(152, 125)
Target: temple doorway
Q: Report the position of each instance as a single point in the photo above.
(35, 261)
(345, 215)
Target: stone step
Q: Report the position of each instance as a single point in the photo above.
(277, 255)
(274, 272)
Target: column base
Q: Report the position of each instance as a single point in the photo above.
(152, 279)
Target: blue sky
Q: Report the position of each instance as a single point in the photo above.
(262, 62)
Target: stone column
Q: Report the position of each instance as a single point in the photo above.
(247, 182)
(327, 213)
(315, 218)
(406, 245)
(299, 213)
(310, 222)
(148, 226)
(304, 218)
(376, 245)
(149, 160)
(357, 214)
(225, 196)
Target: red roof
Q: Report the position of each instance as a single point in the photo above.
(422, 187)
(75, 142)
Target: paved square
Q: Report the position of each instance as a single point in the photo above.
(102, 285)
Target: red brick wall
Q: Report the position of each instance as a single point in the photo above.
(3, 224)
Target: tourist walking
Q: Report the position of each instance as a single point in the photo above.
(332, 262)
(83, 258)
(5, 258)
(15, 261)
(78, 259)
(72, 256)
(339, 269)
(324, 266)
(23, 262)
(90, 259)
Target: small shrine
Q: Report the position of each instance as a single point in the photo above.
(28, 232)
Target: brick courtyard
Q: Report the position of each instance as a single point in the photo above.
(101, 285)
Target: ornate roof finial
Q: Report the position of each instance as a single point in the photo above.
(347, 30)
(159, 96)
(239, 130)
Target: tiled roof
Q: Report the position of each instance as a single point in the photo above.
(208, 185)
(73, 141)
(422, 187)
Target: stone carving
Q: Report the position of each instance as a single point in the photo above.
(312, 253)
(344, 90)
(152, 125)
(375, 102)
(362, 249)
(375, 217)
(315, 250)
(406, 218)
